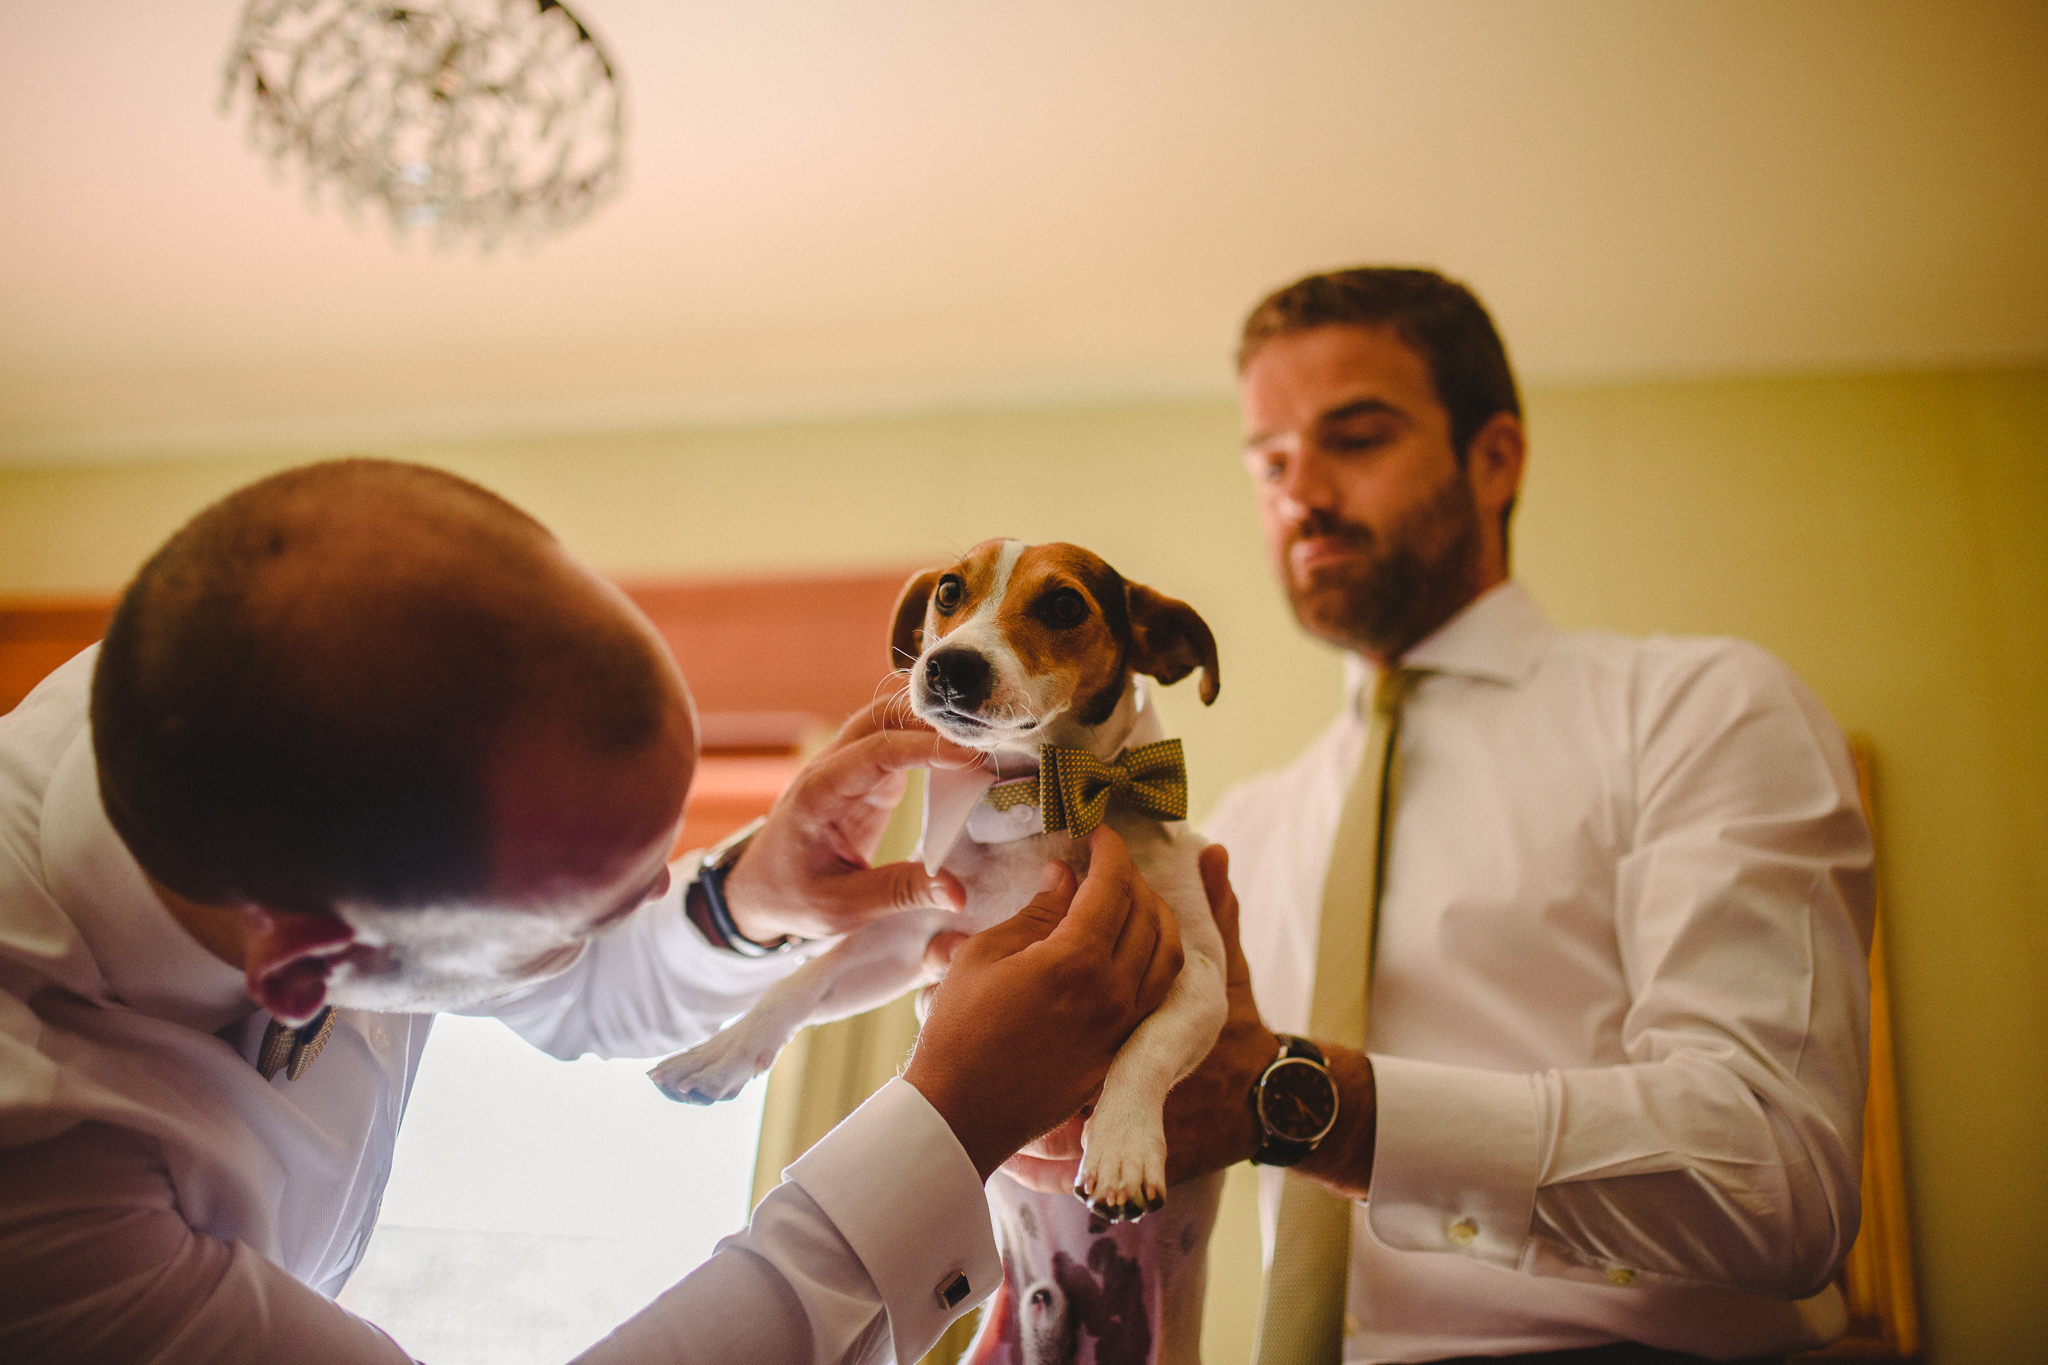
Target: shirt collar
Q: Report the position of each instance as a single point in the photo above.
(1499, 636)
(145, 956)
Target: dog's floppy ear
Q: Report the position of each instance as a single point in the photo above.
(1169, 640)
(906, 636)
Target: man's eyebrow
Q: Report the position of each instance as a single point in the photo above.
(1363, 407)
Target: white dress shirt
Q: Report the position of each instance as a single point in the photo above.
(161, 1201)
(1619, 1005)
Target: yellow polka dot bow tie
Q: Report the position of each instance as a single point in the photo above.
(1075, 788)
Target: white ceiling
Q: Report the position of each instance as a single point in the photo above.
(860, 207)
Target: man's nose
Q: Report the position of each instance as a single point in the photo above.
(659, 887)
(1305, 486)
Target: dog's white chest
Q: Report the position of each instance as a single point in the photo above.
(1001, 878)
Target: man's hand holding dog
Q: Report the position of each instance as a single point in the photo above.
(1208, 1123)
(1022, 1030)
(1209, 1120)
(807, 872)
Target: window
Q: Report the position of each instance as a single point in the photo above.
(536, 1204)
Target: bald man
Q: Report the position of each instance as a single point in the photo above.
(362, 744)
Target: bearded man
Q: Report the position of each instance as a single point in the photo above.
(1576, 924)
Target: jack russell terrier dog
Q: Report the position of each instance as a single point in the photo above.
(1032, 654)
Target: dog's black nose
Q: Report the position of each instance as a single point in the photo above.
(959, 677)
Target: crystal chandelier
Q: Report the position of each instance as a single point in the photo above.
(490, 118)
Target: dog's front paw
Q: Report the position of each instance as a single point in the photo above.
(714, 1070)
(1123, 1173)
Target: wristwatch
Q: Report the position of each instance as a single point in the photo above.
(1296, 1102)
(704, 900)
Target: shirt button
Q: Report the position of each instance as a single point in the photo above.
(1462, 1232)
(1621, 1277)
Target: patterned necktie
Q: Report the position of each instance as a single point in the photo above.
(1075, 788)
(1302, 1319)
(292, 1050)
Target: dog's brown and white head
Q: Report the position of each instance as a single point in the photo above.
(1018, 645)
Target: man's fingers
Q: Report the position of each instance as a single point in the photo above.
(1048, 909)
(938, 954)
(1036, 921)
(1116, 899)
(1102, 903)
(856, 898)
(896, 750)
(1050, 1162)
(1214, 864)
(890, 710)
(1062, 1143)
(1046, 1175)
(874, 764)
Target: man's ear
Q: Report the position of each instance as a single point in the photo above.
(1169, 640)
(286, 956)
(906, 637)
(1493, 465)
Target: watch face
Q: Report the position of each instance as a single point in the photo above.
(1298, 1100)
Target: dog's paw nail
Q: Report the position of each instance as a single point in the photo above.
(1154, 1202)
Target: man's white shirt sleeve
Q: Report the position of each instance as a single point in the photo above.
(843, 1261)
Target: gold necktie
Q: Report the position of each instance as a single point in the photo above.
(1302, 1319)
(292, 1050)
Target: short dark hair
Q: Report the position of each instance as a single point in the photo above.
(1439, 318)
(271, 730)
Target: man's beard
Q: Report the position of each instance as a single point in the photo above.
(1401, 587)
(435, 958)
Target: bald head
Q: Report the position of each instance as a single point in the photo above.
(334, 686)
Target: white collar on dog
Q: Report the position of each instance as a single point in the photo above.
(953, 804)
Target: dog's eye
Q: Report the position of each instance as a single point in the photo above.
(946, 597)
(1066, 608)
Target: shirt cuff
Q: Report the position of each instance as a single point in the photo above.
(690, 956)
(1454, 1163)
(901, 1190)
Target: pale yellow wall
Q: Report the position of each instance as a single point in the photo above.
(1887, 535)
